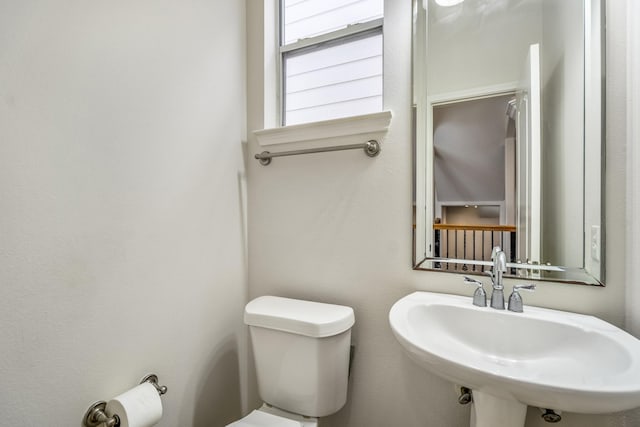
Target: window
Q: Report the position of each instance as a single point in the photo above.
(331, 59)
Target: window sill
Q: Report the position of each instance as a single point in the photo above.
(328, 130)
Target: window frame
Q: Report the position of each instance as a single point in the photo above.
(301, 46)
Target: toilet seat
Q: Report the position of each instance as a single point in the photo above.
(258, 418)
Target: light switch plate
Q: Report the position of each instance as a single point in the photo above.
(595, 243)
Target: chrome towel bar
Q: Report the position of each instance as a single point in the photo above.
(371, 148)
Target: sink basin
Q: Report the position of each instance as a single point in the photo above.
(542, 357)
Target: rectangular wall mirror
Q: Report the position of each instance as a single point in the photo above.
(509, 146)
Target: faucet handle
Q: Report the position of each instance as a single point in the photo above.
(479, 296)
(470, 281)
(515, 300)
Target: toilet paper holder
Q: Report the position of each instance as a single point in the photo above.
(96, 415)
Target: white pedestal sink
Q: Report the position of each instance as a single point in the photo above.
(542, 357)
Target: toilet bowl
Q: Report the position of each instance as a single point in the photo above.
(301, 351)
(268, 416)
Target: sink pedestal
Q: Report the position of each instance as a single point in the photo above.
(490, 411)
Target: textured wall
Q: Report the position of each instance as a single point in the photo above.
(121, 236)
(633, 190)
(490, 49)
(336, 227)
(563, 138)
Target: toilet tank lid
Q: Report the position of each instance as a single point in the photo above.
(309, 318)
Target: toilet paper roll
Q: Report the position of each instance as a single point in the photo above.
(139, 407)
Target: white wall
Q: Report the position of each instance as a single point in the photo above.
(121, 241)
(490, 50)
(633, 156)
(336, 227)
(563, 137)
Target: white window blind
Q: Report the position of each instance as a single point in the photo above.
(337, 76)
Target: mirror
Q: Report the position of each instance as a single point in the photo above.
(509, 145)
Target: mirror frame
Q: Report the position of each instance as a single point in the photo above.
(594, 136)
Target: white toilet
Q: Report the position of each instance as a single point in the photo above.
(301, 351)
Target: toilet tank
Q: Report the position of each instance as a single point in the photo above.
(301, 351)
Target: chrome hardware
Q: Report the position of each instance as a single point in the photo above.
(515, 300)
(371, 148)
(497, 299)
(466, 396)
(499, 266)
(96, 415)
(551, 416)
(479, 296)
(153, 379)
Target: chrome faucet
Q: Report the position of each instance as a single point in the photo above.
(499, 266)
(479, 296)
(515, 300)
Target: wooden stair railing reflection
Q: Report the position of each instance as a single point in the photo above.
(472, 242)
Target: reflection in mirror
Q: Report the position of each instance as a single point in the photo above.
(508, 127)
